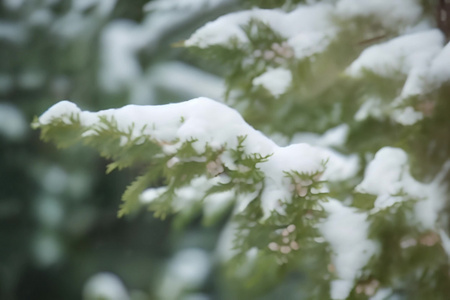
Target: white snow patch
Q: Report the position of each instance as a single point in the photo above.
(407, 116)
(276, 81)
(389, 13)
(13, 125)
(120, 42)
(346, 230)
(150, 195)
(105, 285)
(340, 167)
(382, 294)
(388, 177)
(13, 32)
(439, 71)
(186, 271)
(371, 107)
(333, 137)
(402, 54)
(186, 80)
(445, 241)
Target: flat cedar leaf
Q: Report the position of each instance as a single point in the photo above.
(131, 195)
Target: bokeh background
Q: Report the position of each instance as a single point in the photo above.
(60, 237)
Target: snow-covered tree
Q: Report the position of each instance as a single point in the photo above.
(328, 156)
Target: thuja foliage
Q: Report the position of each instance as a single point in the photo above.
(363, 214)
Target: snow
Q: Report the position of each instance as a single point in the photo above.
(13, 124)
(333, 137)
(439, 71)
(403, 54)
(445, 241)
(346, 230)
(413, 55)
(210, 123)
(388, 177)
(276, 81)
(339, 167)
(196, 190)
(186, 80)
(13, 32)
(186, 271)
(120, 42)
(150, 195)
(307, 28)
(407, 116)
(54, 180)
(372, 107)
(382, 294)
(63, 110)
(389, 13)
(47, 249)
(105, 285)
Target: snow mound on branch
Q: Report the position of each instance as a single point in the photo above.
(276, 81)
(388, 177)
(346, 230)
(405, 54)
(105, 285)
(306, 29)
(419, 56)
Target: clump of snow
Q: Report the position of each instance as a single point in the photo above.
(298, 157)
(372, 107)
(389, 13)
(333, 137)
(407, 115)
(13, 32)
(339, 167)
(382, 294)
(150, 195)
(438, 72)
(347, 232)
(186, 271)
(388, 177)
(63, 110)
(13, 125)
(105, 285)
(49, 211)
(276, 81)
(445, 240)
(186, 80)
(120, 42)
(54, 180)
(47, 249)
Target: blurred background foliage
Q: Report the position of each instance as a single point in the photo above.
(60, 237)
